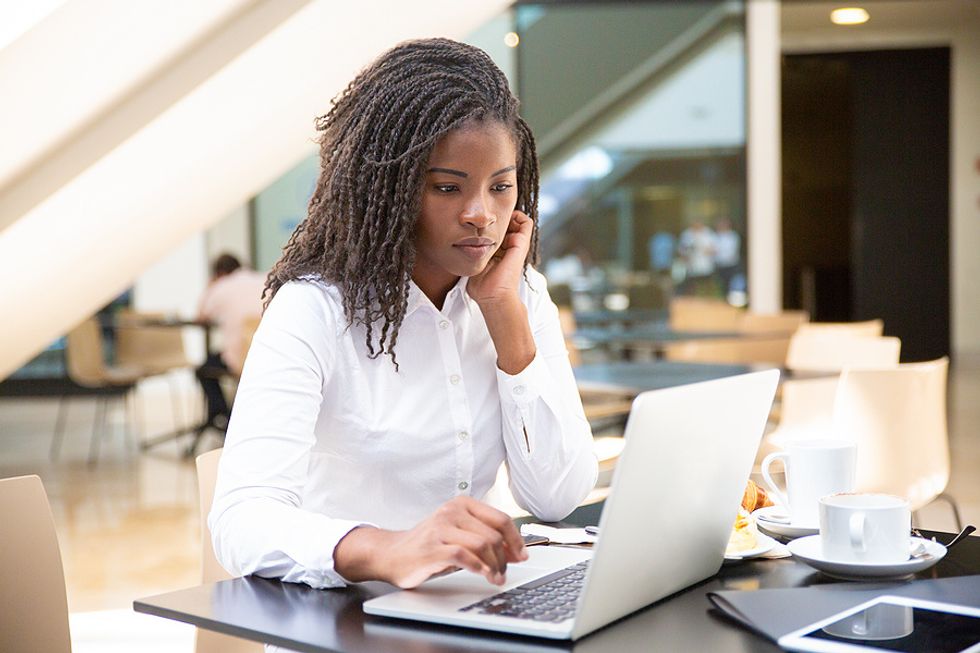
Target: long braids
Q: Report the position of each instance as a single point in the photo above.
(374, 145)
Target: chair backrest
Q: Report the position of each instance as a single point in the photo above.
(834, 352)
(34, 615)
(703, 314)
(84, 356)
(156, 349)
(730, 350)
(871, 328)
(211, 571)
(898, 419)
(249, 327)
(785, 322)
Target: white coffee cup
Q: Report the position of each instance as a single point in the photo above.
(814, 468)
(871, 528)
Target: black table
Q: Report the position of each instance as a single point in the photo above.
(321, 621)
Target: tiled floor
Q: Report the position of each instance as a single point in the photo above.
(128, 527)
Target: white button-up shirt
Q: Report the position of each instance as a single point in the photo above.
(324, 438)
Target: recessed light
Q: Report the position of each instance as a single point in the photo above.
(511, 39)
(849, 16)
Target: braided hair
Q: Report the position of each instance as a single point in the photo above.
(359, 233)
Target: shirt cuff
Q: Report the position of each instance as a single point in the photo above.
(524, 388)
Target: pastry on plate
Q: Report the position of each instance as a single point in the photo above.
(755, 497)
(745, 534)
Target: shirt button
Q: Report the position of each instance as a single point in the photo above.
(463, 485)
(443, 324)
(454, 379)
(463, 435)
(518, 389)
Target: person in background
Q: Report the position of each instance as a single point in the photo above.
(696, 247)
(728, 245)
(232, 298)
(408, 348)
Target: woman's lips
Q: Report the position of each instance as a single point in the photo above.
(475, 252)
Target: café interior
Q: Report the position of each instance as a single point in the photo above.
(726, 186)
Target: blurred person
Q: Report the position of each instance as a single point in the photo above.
(408, 347)
(696, 248)
(728, 246)
(233, 296)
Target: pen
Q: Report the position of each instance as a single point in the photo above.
(592, 530)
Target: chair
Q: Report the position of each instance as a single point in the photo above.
(211, 572)
(821, 352)
(735, 351)
(703, 314)
(784, 322)
(157, 350)
(871, 328)
(897, 417)
(86, 366)
(807, 405)
(33, 596)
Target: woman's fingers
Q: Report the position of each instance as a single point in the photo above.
(491, 542)
(467, 546)
(500, 522)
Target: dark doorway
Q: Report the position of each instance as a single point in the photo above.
(866, 191)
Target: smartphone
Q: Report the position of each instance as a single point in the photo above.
(531, 540)
(892, 623)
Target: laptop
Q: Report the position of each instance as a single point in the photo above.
(665, 525)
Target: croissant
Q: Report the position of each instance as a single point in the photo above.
(755, 497)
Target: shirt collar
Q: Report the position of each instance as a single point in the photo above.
(417, 298)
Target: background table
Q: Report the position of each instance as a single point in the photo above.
(332, 621)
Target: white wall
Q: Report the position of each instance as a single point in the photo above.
(964, 42)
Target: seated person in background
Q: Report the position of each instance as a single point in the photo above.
(408, 348)
(233, 296)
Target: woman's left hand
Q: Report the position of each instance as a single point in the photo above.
(501, 279)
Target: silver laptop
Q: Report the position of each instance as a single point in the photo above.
(674, 497)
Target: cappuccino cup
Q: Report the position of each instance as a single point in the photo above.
(814, 468)
(865, 528)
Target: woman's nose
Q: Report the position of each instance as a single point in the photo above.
(477, 213)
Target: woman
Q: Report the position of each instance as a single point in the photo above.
(407, 349)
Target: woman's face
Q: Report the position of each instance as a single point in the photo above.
(469, 195)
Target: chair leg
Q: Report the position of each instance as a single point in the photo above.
(955, 508)
(98, 426)
(59, 429)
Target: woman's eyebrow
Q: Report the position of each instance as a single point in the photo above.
(450, 171)
(460, 173)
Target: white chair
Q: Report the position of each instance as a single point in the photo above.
(35, 604)
(211, 571)
(784, 322)
(868, 328)
(821, 352)
(807, 405)
(897, 417)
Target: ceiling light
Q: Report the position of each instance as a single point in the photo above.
(849, 16)
(511, 39)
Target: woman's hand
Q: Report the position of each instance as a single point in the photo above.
(462, 533)
(501, 278)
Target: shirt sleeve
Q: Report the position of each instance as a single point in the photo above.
(548, 440)
(257, 521)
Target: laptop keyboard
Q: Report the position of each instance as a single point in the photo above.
(549, 598)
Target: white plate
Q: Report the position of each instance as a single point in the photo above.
(809, 550)
(765, 521)
(765, 544)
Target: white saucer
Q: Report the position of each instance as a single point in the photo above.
(764, 517)
(765, 544)
(809, 550)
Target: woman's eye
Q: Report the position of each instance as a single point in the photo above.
(445, 188)
(502, 187)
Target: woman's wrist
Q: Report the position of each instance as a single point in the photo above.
(358, 555)
(507, 322)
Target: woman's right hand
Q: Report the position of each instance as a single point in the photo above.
(462, 533)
